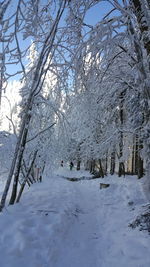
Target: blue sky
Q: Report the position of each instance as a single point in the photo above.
(94, 15)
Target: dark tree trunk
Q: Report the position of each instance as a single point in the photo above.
(136, 154)
(112, 163)
(87, 166)
(18, 164)
(92, 166)
(26, 178)
(138, 162)
(140, 171)
(42, 171)
(121, 170)
(101, 169)
(78, 165)
(106, 163)
(133, 159)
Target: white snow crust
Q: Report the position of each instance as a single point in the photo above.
(59, 223)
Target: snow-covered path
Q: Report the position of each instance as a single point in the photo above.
(100, 235)
(75, 224)
(81, 244)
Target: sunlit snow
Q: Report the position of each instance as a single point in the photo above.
(59, 223)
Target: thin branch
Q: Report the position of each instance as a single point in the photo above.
(109, 13)
(41, 132)
(126, 51)
(14, 129)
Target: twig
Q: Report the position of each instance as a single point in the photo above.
(41, 132)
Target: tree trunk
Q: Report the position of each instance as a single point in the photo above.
(140, 172)
(112, 163)
(78, 165)
(139, 11)
(26, 178)
(133, 158)
(18, 165)
(121, 170)
(138, 162)
(101, 169)
(92, 166)
(136, 158)
(87, 168)
(140, 169)
(13, 165)
(38, 76)
(106, 163)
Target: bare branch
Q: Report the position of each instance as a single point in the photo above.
(14, 128)
(41, 132)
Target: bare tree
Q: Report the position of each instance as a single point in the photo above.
(46, 50)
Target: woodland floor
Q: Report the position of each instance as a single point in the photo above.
(60, 223)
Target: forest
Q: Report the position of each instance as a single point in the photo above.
(85, 89)
(74, 86)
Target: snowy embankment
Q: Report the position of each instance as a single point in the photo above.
(75, 224)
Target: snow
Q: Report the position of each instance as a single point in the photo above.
(59, 223)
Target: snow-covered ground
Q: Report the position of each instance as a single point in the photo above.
(59, 223)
